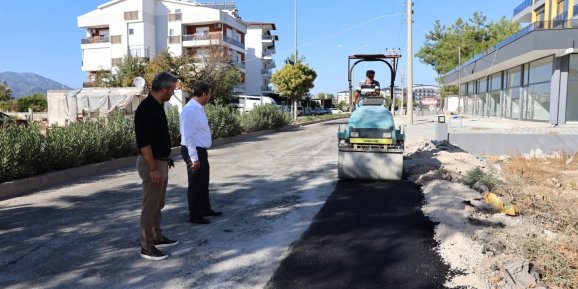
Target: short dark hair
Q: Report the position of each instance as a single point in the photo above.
(162, 80)
(200, 87)
(370, 72)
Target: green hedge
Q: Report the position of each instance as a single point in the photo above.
(27, 152)
(267, 116)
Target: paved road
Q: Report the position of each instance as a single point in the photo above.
(85, 234)
(368, 235)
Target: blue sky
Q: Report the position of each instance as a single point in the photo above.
(42, 36)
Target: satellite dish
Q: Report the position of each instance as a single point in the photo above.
(138, 82)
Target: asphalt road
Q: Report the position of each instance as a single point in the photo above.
(368, 235)
(85, 234)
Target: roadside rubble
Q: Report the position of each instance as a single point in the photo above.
(466, 222)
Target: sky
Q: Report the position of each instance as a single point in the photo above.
(43, 37)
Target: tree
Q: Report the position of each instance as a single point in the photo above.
(5, 92)
(475, 36)
(123, 76)
(330, 96)
(294, 80)
(214, 67)
(321, 95)
(36, 101)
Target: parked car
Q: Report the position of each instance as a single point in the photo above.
(320, 111)
(6, 119)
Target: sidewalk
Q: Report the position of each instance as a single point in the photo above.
(496, 136)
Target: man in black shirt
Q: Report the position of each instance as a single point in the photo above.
(154, 144)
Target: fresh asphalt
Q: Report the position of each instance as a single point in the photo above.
(367, 235)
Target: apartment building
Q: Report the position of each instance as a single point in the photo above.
(144, 28)
(533, 74)
(259, 57)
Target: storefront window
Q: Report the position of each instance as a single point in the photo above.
(537, 91)
(572, 99)
(513, 96)
(494, 99)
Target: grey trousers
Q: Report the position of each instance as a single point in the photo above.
(153, 202)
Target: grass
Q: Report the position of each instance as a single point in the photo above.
(546, 191)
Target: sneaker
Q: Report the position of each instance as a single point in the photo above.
(153, 254)
(165, 242)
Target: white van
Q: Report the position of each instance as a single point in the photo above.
(248, 102)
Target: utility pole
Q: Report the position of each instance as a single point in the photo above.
(459, 78)
(295, 63)
(409, 63)
(401, 110)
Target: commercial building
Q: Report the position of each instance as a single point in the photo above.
(533, 74)
(144, 28)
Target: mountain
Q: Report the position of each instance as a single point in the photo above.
(25, 84)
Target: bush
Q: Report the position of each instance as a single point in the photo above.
(174, 129)
(27, 152)
(23, 151)
(223, 120)
(265, 116)
(489, 180)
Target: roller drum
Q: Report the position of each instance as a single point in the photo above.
(370, 165)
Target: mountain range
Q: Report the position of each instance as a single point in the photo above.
(25, 84)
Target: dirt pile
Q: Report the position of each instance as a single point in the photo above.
(483, 246)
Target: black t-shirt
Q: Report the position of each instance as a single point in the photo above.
(151, 127)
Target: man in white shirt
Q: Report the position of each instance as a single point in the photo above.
(195, 140)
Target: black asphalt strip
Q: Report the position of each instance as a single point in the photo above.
(367, 235)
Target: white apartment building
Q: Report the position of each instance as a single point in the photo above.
(260, 43)
(143, 28)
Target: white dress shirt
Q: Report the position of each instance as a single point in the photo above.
(194, 128)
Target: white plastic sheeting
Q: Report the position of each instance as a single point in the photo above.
(66, 105)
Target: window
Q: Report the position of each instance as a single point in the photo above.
(130, 31)
(572, 95)
(536, 101)
(202, 31)
(131, 15)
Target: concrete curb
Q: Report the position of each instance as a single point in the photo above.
(21, 187)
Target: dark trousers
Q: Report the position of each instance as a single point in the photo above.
(198, 191)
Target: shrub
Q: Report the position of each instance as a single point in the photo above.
(23, 151)
(265, 116)
(478, 175)
(27, 152)
(223, 120)
(174, 130)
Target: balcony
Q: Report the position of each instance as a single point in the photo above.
(523, 12)
(266, 88)
(266, 72)
(210, 39)
(140, 53)
(241, 65)
(269, 64)
(95, 39)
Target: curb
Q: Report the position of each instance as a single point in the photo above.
(16, 188)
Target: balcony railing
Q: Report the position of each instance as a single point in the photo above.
(95, 39)
(214, 38)
(267, 37)
(557, 23)
(239, 64)
(265, 71)
(266, 88)
(140, 52)
(522, 6)
(234, 42)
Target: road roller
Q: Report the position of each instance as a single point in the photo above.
(370, 146)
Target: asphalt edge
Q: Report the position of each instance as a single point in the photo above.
(17, 188)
